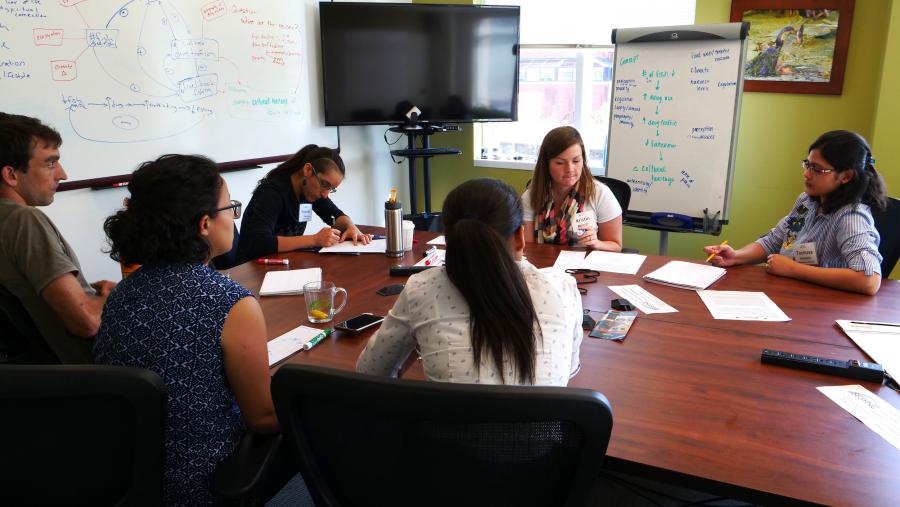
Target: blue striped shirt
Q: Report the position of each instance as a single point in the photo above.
(844, 238)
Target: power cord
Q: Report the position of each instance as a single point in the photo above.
(389, 143)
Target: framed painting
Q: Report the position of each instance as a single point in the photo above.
(795, 46)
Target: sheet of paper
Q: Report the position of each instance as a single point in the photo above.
(686, 275)
(880, 340)
(740, 305)
(289, 343)
(614, 262)
(280, 283)
(347, 247)
(569, 259)
(879, 415)
(641, 299)
(435, 259)
(440, 240)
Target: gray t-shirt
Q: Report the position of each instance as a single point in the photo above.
(32, 254)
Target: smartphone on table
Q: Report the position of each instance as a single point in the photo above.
(359, 323)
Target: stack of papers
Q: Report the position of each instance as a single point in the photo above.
(289, 343)
(610, 262)
(686, 275)
(880, 340)
(282, 283)
(347, 247)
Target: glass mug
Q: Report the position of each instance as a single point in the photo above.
(319, 298)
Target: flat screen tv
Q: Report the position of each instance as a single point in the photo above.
(454, 63)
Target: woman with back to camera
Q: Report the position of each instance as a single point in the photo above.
(487, 316)
(564, 204)
(200, 331)
(829, 237)
(283, 203)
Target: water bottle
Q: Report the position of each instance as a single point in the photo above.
(393, 225)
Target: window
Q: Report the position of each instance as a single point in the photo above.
(565, 74)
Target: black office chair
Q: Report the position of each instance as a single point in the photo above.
(887, 223)
(365, 440)
(20, 340)
(85, 434)
(620, 189)
(228, 259)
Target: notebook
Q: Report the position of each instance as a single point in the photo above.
(282, 283)
(289, 343)
(686, 275)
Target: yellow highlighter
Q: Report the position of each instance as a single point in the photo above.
(714, 253)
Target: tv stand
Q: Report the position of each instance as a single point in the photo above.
(426, 220)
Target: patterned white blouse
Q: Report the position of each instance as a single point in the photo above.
(431, 317)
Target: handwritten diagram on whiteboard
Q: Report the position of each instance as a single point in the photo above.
(125, 81)
(673, 114)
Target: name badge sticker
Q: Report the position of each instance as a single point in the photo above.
(305, 212)
(805, 253)
(583, 222)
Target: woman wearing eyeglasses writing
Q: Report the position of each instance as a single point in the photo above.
(284, 201)
(829, 237)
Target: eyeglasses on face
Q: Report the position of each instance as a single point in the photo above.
(814, 167)
(234, 206)
(324, 185)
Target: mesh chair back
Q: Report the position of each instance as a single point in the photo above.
(364, 440)
(86, 435)
(619, 188)
(20, 340)
(888, 224)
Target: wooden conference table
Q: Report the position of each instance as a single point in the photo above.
(692, 404)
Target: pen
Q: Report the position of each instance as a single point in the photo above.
(432, 257)
(430, 251)
(317, 338)
(716, 252)
(378, 236)
(283, 262)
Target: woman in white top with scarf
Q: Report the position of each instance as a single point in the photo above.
(564, 205)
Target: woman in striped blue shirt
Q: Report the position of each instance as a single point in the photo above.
(829, 237)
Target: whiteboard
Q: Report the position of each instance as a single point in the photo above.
(126, 81)
(674, 116)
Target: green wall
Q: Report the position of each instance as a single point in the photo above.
(775, 131)
(887, 130)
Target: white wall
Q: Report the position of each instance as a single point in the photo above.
(79, 214)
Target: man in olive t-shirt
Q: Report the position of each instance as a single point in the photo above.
(37, 265)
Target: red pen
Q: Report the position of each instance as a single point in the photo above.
(283, 262)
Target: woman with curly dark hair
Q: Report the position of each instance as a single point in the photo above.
(200, 331)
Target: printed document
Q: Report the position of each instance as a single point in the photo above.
(291, 282)
(641, 299)
(614, 262)
(288, 343)
(347, 247)
(739, 305)
(569, 259)
(440, 241)
(686, 275)
(879, 415)
(880, 340)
